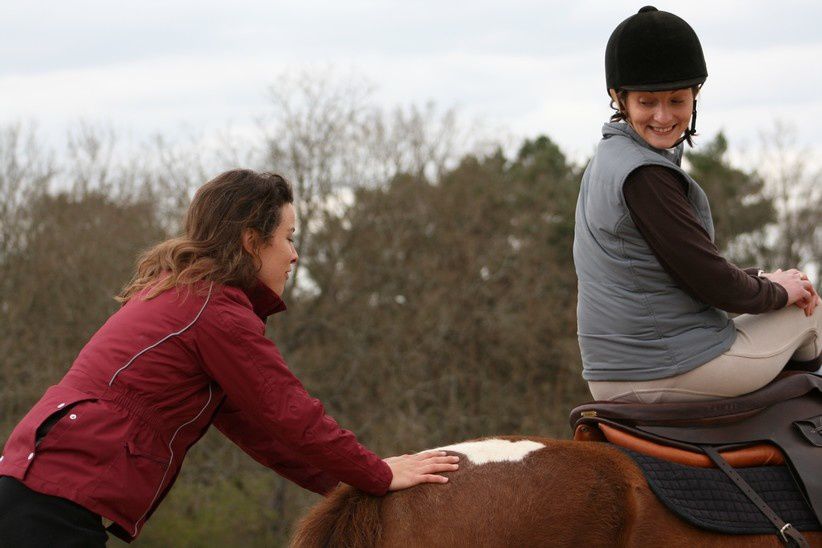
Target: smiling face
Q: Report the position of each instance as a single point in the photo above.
(660, 117)
(276, 256)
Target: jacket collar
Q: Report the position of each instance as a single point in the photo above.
(621, 128)
(264, 301)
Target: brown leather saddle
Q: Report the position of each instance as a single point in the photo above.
(782, 421)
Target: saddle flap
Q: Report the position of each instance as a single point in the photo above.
(761, 454)
(811, 428)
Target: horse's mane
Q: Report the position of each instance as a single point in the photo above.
(348, 518)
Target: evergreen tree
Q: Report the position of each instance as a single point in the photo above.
(739, 206)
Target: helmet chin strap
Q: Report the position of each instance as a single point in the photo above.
(688, 132)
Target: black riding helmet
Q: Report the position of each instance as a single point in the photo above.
(655, 51)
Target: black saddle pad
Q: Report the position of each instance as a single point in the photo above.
(708, 499)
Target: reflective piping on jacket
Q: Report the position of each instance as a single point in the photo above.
(171, 459)
(164, 339)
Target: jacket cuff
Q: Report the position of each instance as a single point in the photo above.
(384, 476)
(783, 296)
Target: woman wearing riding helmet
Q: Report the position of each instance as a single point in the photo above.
(653, 288)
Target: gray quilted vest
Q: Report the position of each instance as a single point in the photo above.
(634, 322)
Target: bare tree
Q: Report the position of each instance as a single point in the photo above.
(329, 136)
(26, 171)
(168, 174)
(796, 192)
(419, 141)
(90, 149)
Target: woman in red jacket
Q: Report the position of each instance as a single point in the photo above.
(186, 350)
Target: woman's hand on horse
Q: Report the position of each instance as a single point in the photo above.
(411, 470)
(800, 289)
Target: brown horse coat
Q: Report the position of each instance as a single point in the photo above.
(564, 494)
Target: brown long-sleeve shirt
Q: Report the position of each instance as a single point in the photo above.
(657, 200)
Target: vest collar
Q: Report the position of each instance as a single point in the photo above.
(622, 128)
(264, 300)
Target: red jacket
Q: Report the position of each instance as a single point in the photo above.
(149, 384)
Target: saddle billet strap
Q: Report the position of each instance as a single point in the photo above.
(787, 532)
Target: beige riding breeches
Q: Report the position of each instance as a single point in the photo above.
(764, 344)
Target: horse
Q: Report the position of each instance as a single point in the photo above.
(516, 491)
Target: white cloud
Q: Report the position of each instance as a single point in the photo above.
(526, 65)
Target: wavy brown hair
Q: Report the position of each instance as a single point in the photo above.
(211, 248)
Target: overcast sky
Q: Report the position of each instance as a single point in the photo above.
(526, 66)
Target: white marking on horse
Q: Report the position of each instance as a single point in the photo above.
(494, 450)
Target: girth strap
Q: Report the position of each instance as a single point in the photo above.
(787, 532)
